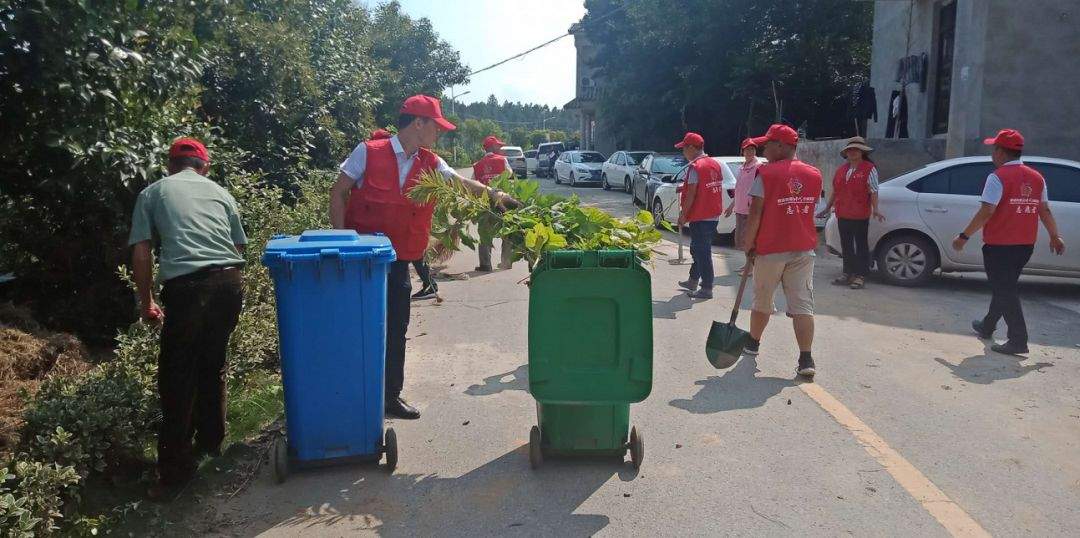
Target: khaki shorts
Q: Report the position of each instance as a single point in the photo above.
(793, 270)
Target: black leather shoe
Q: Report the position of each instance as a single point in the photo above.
(1009, 348)
(977, 326)
(397, 408)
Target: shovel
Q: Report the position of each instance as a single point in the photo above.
(726, 341)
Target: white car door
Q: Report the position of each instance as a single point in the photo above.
(561, 166)
(1063, 188)
(947, 200)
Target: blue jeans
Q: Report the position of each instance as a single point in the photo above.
(702, 233)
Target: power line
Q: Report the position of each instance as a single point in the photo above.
(546, 43)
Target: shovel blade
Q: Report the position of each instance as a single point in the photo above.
(725, 344)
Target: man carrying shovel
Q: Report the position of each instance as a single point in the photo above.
(781, 238)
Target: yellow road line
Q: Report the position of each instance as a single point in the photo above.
(949, 514)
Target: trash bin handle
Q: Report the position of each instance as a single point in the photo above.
(618, 258)
(307, 257)
(570, 259)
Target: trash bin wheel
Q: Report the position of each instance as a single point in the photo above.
(390, 449)
(637, 447)
(279, 460)
(536, 457)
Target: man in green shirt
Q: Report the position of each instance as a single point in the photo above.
(196, 225)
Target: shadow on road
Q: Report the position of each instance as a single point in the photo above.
(738, 388)
(990, 366)
(502, 497)
(670, 308)
(519, 380)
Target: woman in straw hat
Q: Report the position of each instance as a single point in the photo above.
(855, 197)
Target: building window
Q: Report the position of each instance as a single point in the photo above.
(946, 43)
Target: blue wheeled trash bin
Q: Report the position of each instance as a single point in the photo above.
(330, 287)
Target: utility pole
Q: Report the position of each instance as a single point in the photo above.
(453, 112)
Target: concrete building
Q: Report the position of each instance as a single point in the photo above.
(976, 66)
(587, 91)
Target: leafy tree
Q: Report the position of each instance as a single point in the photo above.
(720, 66)
(416, 60)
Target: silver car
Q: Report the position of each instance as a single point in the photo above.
(926, 208)
(578, 167)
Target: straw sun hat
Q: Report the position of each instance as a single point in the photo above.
(857, 142)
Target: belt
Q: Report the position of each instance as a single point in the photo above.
(202, 273)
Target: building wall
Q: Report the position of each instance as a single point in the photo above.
(1014, 64)
(1032, 70)
(891, 42)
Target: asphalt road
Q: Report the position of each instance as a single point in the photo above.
(913, 427)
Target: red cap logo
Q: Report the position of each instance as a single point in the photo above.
(425, 106)
(188, 147)
(1008, 139)
(379, 134)
(492, 143)
(691, 139)
(777, 132)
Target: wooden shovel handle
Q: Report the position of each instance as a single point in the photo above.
(742, 288)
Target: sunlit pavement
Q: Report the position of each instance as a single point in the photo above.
(913, 428)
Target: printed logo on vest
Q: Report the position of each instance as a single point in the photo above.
(795, 186)
(1025, 190)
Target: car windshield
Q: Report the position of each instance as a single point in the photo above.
(531, 153)
(588, 157)
(511, 152)
(667, 164)
(637, 156)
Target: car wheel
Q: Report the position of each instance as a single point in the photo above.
(573, 181)
(603, 179)
(907, 260)
(658, 213)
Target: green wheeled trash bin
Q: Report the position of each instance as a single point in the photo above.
(590, 353)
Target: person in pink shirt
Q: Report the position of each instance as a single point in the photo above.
(741, 207)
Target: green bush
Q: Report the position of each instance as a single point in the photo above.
(98, 420)
(32, 495)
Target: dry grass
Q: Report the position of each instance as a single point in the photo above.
(28, 355)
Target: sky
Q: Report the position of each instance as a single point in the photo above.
(488, 31)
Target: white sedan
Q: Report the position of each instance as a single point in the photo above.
(577, 167)
(926, 208)
(619, 170)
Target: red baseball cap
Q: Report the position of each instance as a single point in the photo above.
(188, 147)
(778, 132)
(1008, 139)
(747, 143)
(493, 141)
(425, 106)
(691, 139)
(379, 134)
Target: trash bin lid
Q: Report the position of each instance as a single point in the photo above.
(315, 244)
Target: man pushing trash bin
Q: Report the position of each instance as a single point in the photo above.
(370, 196)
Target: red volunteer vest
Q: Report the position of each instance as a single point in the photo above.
(488, 168)
(708, 200)
(379, 204)
(792, 189)
(1016, 218)
(853, 195)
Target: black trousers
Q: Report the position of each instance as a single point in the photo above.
(423, 270)
(201, 311)
(398, 301)
(1003, 265)
(854, 245)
